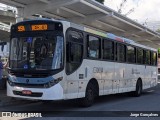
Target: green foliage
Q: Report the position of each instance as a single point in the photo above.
(101, 1)
(158, 30)
(158, 50)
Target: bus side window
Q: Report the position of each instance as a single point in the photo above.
(74, 51)
(115, 51)
(108, 49)
(147, 57)
(140, 55)
(121, 52)
(153, 58)
(93, 47)
(131, 54)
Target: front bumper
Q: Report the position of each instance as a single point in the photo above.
(53, 93)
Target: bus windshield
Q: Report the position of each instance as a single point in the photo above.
(40, 53)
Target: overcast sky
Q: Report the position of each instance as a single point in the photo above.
(145, 10)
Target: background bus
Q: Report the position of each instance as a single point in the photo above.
(55, 60)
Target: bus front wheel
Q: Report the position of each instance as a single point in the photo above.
(88, 100)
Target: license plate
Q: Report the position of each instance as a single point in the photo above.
(26, 92)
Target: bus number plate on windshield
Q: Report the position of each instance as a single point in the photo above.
(26, 92)
(39, 27)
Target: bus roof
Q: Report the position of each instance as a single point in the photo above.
(111, 36)
(96, 32)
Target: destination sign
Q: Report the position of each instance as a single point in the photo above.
(21, 28)
(37, 27)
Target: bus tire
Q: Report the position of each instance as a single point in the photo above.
(88, 100)
(138, 90)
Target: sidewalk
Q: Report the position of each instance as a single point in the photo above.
(6, 101)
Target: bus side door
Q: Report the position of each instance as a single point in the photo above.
(74, 59)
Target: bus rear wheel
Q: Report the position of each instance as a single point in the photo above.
(138, 90)
(88, 100)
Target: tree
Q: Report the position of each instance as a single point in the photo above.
(100, 1)
(121, 7)
(159, 32)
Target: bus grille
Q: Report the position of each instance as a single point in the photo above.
(29, 85)
(33, 75)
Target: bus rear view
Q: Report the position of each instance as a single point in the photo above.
(36, 60)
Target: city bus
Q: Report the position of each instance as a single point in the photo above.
(60, 60)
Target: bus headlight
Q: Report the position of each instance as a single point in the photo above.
(52, 82)
(11, 83)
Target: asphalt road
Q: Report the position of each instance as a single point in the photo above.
(111, 107)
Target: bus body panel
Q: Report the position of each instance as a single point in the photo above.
(108, 76)
(154, 76)
(130, 76)
(147, 78)
(112, 76)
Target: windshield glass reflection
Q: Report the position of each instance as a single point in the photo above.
(37, 53)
